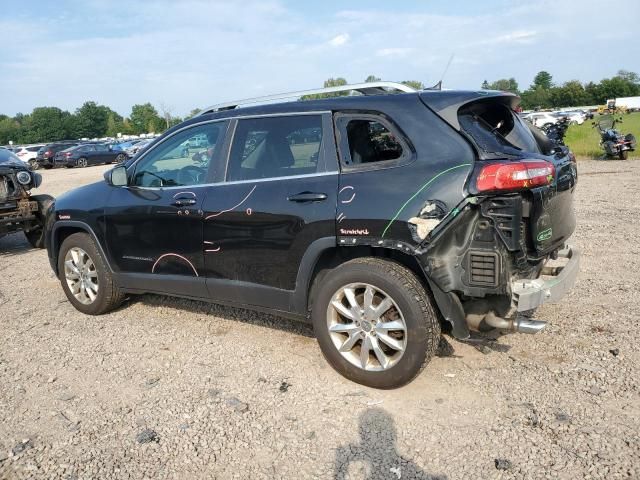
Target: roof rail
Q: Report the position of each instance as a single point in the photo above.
(370, 88)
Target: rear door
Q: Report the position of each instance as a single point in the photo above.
(278, 198)
(101, 154)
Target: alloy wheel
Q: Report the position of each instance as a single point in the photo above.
(81, 275)
(367, 327)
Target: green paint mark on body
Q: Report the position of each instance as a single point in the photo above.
(544, 235)
(395, 217)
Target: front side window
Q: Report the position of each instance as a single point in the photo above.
(275, 147)
(182, 159)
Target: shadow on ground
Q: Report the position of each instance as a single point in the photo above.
(375, 456)
(250, 317)
(14, 244)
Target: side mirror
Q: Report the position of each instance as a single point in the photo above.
(116, 177)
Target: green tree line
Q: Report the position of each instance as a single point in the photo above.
(544, 93)
(48, 124)
(91, 120)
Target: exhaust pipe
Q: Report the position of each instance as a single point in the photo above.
(521, 325)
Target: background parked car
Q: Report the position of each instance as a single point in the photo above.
(88, 154)
(46, 154)
(541, 119)
(136, 147)
(28, 153)
(575, 118)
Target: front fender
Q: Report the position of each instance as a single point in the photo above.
(55, 236)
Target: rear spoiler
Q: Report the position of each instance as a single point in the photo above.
(447, 103)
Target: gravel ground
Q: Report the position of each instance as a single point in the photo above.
(168, 388)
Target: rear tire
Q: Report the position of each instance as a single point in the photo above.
(121, 158)
(404, 351)
(81, 162)
(88, 273)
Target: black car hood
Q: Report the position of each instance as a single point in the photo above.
(10, 160)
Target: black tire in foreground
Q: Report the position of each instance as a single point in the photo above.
(36, 236)
(86, 279)
(375, 322)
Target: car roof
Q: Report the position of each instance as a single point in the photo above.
(436, 99)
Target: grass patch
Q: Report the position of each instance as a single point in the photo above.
(584, 140)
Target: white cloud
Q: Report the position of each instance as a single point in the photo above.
(394, 52)
(200, 52)
(339, 40)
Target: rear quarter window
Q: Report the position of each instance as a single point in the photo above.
(495, 128)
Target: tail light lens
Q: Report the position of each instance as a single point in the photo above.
(68, 154)
(514, 175)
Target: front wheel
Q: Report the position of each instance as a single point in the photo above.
(623, 154)
(375, 322)
(85, 277)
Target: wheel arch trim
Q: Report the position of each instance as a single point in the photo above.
(76, 224)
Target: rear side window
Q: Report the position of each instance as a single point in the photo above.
(369, 141)
(495, 128)
(272, 147)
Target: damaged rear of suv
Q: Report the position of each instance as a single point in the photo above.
(375, 216)
(19, 210)
(505, 251)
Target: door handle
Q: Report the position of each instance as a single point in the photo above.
(307, 197)
(183, 202)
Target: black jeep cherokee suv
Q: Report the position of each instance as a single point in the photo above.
(376, 217)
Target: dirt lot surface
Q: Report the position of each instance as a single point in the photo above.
(168, 388)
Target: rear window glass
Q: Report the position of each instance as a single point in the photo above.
(496, 129)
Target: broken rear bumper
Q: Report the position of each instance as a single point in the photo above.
(552, 284)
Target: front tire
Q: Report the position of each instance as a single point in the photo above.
(85, 277)
(375, 322)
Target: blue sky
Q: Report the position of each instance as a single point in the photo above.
(193, 53)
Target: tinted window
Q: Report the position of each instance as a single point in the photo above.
(182, 159)
(275, 147)
(370, 141)
(33, 149)
(102, 148)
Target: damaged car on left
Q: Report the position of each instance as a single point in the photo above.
(19, 210)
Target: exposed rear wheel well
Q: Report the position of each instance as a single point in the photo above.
(333, 257)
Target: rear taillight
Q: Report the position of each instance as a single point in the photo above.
(514, 175)
(68, 154)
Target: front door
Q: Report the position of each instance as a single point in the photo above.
(279, 197)
(154, 225)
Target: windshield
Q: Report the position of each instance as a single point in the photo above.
(607, 122)
(496, 129)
